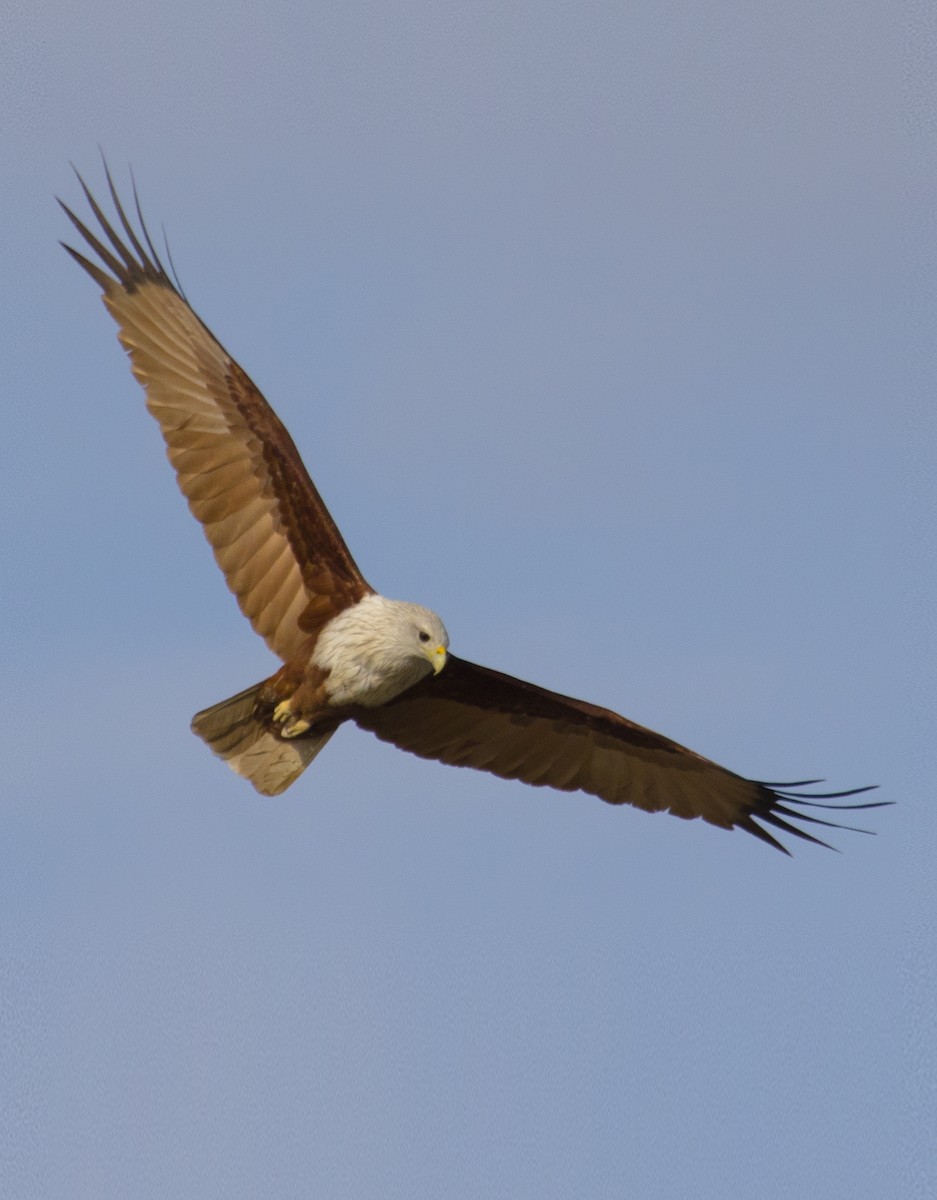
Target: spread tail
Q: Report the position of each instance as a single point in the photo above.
(239, 731)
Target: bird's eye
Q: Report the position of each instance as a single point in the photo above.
(424, 636)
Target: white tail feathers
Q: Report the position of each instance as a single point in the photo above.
(240, 734)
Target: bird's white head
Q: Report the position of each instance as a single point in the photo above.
(378, 648)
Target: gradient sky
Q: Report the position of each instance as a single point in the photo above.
(605, 331)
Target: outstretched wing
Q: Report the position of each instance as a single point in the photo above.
(470, 716)
(272, 536)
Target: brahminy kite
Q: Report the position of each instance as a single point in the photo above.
(349, 653)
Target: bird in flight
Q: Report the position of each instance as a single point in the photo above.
(349, 653)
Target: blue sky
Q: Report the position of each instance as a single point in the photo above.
(604, 331)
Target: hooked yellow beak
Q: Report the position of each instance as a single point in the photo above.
(438, 659)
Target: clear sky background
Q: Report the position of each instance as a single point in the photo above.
(605, 331)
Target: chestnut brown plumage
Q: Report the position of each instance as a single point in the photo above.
(348, 653)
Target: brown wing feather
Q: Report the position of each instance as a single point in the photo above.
(471, 716)
(272, 536)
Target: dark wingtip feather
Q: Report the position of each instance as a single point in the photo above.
(756, 830)
(99, 276)
(789, 812)
(172, 266)
(812, 797)
(146, 232)
(790, 783)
